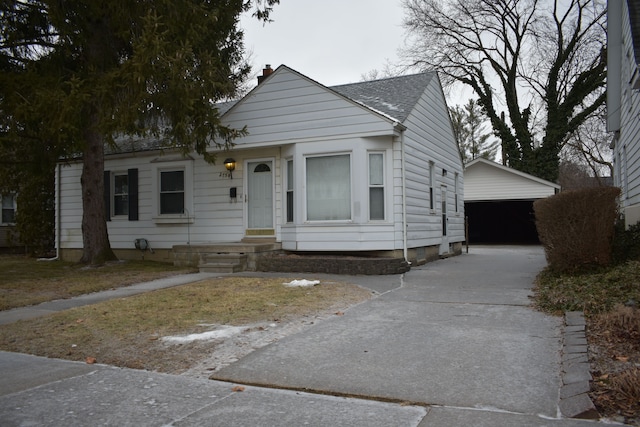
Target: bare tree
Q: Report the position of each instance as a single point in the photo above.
(540, 60)
(388, 70)
(589, 147)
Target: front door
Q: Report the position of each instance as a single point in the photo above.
(260, 198)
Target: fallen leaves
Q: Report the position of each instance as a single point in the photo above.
(90, 360)
(237, 389)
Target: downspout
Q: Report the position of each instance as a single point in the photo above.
(58, 221)
(58, 209)
(405, 250)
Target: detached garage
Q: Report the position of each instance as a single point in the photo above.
(498, 202)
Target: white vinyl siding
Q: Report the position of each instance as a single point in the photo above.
(299, 109)
(627, 146)
(429, 149)
(486, 180)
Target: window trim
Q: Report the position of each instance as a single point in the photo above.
(289, 203)
(382, 186)
(188, 216)
(170, 205)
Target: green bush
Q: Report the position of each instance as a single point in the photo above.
(576, 228)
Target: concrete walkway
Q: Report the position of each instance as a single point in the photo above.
(451, 343)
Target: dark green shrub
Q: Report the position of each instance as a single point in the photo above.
(576, 228)
(626, 242)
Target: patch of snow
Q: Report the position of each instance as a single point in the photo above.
(302, 283)
(225, 332)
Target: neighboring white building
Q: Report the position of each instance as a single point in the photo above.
(499, 202)
(623, 101)
(370, 167)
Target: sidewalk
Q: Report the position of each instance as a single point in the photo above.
(451, 343)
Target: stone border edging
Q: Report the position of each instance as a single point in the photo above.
(576, 375)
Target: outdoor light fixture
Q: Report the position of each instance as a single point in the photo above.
(230, 164)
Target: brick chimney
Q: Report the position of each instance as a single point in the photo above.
(266, 72)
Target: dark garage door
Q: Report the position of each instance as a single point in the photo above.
(501, 222)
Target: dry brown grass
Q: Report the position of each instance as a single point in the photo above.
(614, 351)
(125, 332)
(27, 281)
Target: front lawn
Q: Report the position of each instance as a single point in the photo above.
(26, 281)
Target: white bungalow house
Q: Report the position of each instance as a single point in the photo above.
(499, 200)
(369, 168)
(623, 101)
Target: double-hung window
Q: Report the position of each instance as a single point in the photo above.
(8, 208)
(328, 180)
(172, 192)
(289, 190)
(120, 194)
(376, 186)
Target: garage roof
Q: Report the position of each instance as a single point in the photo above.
(485, 180)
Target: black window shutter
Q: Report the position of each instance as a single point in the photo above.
(133, 194)
(107, 195)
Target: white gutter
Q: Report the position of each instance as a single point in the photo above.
(405, 250)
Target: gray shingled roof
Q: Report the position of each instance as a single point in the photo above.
(394, 96)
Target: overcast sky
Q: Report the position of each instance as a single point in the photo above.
(330, 41)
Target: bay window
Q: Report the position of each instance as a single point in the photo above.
(328, 188)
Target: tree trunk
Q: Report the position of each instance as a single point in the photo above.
(95, 238)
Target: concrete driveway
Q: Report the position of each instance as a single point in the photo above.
(451, 343)
(457, 332)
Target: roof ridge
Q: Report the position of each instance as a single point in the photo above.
(384, 79)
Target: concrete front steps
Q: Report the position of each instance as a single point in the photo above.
(229, 257)
(223, 263)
